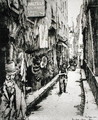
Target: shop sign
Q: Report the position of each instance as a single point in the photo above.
(36, 8)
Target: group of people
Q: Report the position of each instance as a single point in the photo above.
(73, 64)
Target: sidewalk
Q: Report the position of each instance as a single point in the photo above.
(91, 108)
(33, 98)
(90, 111)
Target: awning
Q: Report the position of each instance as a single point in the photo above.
(37, 51)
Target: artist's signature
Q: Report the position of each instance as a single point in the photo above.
(84, 118)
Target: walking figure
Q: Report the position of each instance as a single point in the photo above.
(62, 82)
(63, 79)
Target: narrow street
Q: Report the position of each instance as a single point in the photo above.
(40, 40)
(60, 107)
(65, 106)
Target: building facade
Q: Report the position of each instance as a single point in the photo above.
(89, 30)
(33, 34)
(79, 39)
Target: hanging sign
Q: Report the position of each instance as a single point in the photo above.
(36, 8)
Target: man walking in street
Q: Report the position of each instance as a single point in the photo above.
(63, 78)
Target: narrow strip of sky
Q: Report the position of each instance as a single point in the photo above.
(73, 10)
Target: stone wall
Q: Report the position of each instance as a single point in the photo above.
(89, 27)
